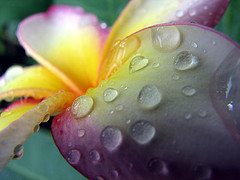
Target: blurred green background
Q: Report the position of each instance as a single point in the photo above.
(41, 159)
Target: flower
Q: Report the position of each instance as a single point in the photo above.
(124, 98)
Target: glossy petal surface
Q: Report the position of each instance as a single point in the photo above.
(19, 122)
(143, 13)
(67, 41)
(35, 81)
(162, 123)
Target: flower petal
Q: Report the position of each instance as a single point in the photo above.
(67, 41)
(154, 118)
(35, 81)
(143, 13)
(19, 121)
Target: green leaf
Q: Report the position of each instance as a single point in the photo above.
(230, 23)
(106, 10)
(41, 161)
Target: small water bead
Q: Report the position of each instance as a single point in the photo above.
(230, 107)
(142, 132)
(192, 12)
(188, 91)
(82, 106)
(175, 77)
(73, 156)
(156, 65)
(81, 132)
(180, 13)
(18, 151)
(202, 172)
(110, 95)
(205, 7)
(119, 107)
(194, 44)
(157, 166)
(94, 155)
(213, 42)
(36, 128)
(42, 107)
(98, 178)
(202, 113)
(188, 116)
(128, 121)
(185, 61)
(111, 112)
(149, 97)
(114, 174)
(5, 114)
(46, 118)
(111, 138)
(166, 38)
(137, 63)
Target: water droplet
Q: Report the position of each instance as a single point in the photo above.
(73, 156)
(202, 113)
(185, 61)
(192, 12)
(149, 97)
(128, 121)
(180, 13)
(110, 95)
(36, 128)
(42, 107)
(201, 171)
(137, 63)
(98, 178)
(82, 106)
(114, 174)
(230, 106)
(18, 151)
(175, 77)
(13, 72)
(213, 42)
(205, 7)
(5, 114)
(103, 25)
(194, 44)
(9, 98)
(119, 107)
(111, 138)
(188, 91)
(111, 112)
(156, 65)
(142, 132)
(188, 115)
(94, 155)
(157, 166)
(46, 118)
(166, 38)
(81, 132)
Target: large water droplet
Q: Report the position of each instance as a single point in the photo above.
(110, 95)
(18, 151)
(73, 156)
(166, 38)
(13, 72)
(94, 155)
(157, 166)
(185, 61)
(149, 97)
(188, 91)
(137, 63)
(142, 132)
(82, 106)
(224, 91)
(203, 172)
(111, 138)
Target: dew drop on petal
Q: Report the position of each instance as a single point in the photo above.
(111, 138)
(18, 151)
(46, 118)
(114, 174)
(157, 166)
(156, 65)
(175, 77)
(82, 106)
(98, 178)
(201, 171)
(188, 116)
(185, 61)
(142, 132)
(166, 38)
(192, 12)
(137, 63)
(81, 132)
(36, 128)
(13, 72)
(179, 13)
(149, 97)
(110, 95)
(188, 91)
(194, 44)
(94, 155)
(202, 113)
(119, 107)
(42, 107)
(73, 156)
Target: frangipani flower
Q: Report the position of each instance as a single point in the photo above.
(143, 101)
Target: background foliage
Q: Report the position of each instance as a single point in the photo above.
(41, 160)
